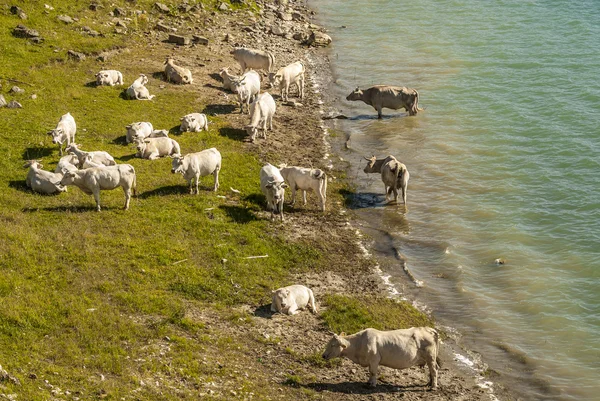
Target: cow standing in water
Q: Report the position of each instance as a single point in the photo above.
(391, 97)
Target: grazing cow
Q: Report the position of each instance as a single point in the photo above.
(273, 187)
(93, 180)
(138, 91)
(154, 148)
(195, 165)
(394, 175)
(141, 129)
(252, 58)
(109, 77)
(396, 349)
(194, 122)
(261, 115)
(177, 74)
(228, 78)
(247, 88)
(290, 299)
(64, 131)
(391, 97)
(306, 179)
(67, 163)
(42, 181)
(284, 77)
(98, 156)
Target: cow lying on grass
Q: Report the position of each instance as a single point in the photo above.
(290, 299)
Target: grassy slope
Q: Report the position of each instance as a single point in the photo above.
(88, 298)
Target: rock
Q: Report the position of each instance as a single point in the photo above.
(18, 11)
(121, 24)
(119, 12)
(95, 6)
(13, 104)
(2, 101)
(223, 7)
(73, 55)
(16, 89)
(104, 56)
(65, 18)
(162, 8)
(297, 16)
(48, 7)
(319, 39)
(34, 96)
(301, 36)
(201, 40)
(21, 31)
(184, 8)
(37, 40)
(120, 30)
(278, 30)
(228, 38)
(90, 31)
(164, 28)
(284, 16)
(178, 39)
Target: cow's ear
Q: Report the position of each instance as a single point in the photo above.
(181, 119)
(284, 185)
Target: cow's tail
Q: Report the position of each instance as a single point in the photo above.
(415, 109)
(436, 338)
(206, 123)
(271, 61)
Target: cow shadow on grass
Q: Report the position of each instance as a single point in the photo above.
(20, 185)
(238, 214)
(160, 75)
(264, 311)
(69, 209)
(37, 152)
(126, 158)
(175, 130)
(91, 84)
(234, 133)
(121, 140)
(362, 388)
(165, 191)
(211, 109)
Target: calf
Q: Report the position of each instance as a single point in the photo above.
(138, 91)
(290, 299)
(98, 156)
(397, 349)
(194, 122)
(64, 131)
(284, 77)
(252, 58)
(177, 74)
(109, 77)
(306, 179)
(195, 165)
(93, 180)
(67, 163)
(273, 187)
(247, 88)
(394, 175)
(154, 148)
(140, 129)
(261, 115)
(228, 78)
(42, 181)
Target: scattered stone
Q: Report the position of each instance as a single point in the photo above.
(319, 39)
(2, 101)
(21, 31)
(120, 30)
(37, 40)
(90, 31)
(32, 376)
(65, 18)
(73, 55)
(13, 104)
(16, 89)
(104, 56)
(301, 36)
(119, 12)
(96, 6)
(184, 8)
(284, 16)
(278, 30)
(201, 40)
(293, 104)
(297, 16)
(164, 28)
(228, 38)
(18, 11)
(34, 96)
(121, 24)
(48, 7)
(223, 7)
(162, 8)
(178, 40)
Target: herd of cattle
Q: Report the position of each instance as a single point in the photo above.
(93, 171)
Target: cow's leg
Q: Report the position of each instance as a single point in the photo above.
(96, 192)
(197, 181)
(433, 371)
(293, 310)
(293, 195)
(304, 196)
(270, 118)
(301, 87)
(216, 174)
(281, 209)
(191, 182)
(379, 111)
(127, 191)
(373, 367)
(153, 156)
(321, 199)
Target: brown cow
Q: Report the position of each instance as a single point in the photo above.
(391, 97)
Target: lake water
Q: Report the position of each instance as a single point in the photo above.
(504, 163)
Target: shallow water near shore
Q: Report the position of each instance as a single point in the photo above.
(503, 164)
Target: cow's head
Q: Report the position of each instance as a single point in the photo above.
(102, 78)
(57, 135)
(140, 145)
(186, 123)
(177, 164)
(274, 79)
(280, 298)
(335, 346)
(33, 164)
(251, 130)
(72, 147)
(370, 164)
(356, 94)
(277, 190)
(68, 178)
(143, 79)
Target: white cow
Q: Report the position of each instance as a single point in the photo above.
(252, 58)
(195, 165)
(138, 91)
(89, 162)
(140, 129)
(93, 180)
(285, 76)
(67, 163)
(194, 122)
(42, 181)
(261, 115)
(109, 77)
(177, 74)
(306, 179)
(290, 299)
(397, 349)
(394, 175)
(154, 148)
(247, 88)
(64, 131)
(273, 187)
(98, 156)
(228, 78)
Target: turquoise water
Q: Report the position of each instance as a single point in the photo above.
(504, 163)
